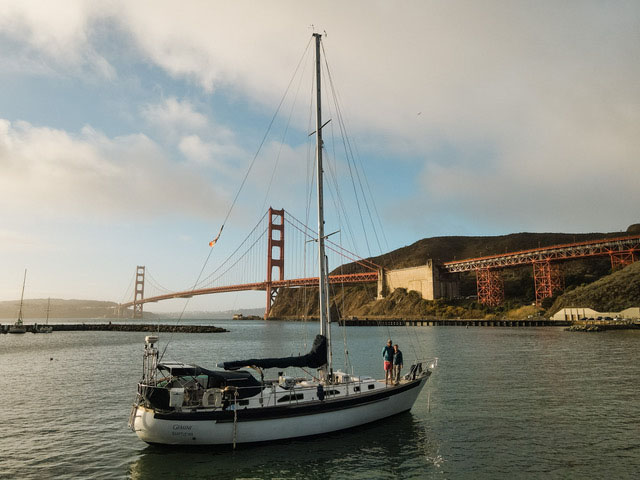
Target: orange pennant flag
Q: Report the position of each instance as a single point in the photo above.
(213, 242)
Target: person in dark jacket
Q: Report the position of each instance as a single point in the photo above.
(387, 357)
(397, 363)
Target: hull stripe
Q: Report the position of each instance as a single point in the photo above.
(287, 411)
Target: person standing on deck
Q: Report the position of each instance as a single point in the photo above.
(397, 363)
(387, 356)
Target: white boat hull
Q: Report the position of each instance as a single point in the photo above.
(367, 408)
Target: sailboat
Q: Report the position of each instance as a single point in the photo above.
(46, 328)
(18, 326)
(186, 404)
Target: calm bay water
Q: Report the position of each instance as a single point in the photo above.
(535, 402)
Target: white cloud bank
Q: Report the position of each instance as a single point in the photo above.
(53, 174)
(517, 111)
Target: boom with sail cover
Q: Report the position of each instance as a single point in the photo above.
(316, 358)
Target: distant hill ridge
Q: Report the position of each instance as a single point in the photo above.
(37, 308)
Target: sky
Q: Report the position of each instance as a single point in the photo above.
(126, 128)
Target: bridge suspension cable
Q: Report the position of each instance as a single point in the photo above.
(250, 241)
(310, 234)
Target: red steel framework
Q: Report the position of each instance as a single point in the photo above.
(570, 251)
(547, 275)
(548, 279)
(622, 259)
(276, 241)
(490, 286)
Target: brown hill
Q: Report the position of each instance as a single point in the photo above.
(611, 293)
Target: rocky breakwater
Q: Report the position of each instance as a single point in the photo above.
(135, 327)
(602, 325)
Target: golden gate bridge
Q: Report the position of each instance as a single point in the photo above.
(251, 266)
(250, 262)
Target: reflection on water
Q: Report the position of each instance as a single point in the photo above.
(389, 449)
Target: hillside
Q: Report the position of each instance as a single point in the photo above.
(518, 282)
(611, 293)
(37, 309)
(444, 249)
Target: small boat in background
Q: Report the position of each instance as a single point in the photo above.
(19, 327)
(46, 328)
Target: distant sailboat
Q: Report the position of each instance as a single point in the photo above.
(19, 327)
(46, 328)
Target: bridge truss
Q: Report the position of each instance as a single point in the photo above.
(547, 274)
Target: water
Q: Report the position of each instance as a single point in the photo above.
(536, 403)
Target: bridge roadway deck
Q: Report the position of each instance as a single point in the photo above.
(570, 251)
(296, 282)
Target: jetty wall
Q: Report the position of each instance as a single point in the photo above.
(125, 327)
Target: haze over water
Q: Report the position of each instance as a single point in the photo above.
(532, 402)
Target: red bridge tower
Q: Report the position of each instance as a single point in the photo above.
(276, 241)
(139, 293)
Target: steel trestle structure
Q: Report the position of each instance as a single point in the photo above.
(547, 274)
(490, 286)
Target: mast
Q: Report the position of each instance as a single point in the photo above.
(22, 296)
(325, 324)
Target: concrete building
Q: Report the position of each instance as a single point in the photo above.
(428, 280)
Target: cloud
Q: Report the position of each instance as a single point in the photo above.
(14, 241)
(174, 116)
(59, 32)
(530, 102)
(51, 173)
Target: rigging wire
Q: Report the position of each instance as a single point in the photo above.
(284, 134)
(235, 199)
(240, 245)
(335, 99)
(330, 245)
(129, 288)
(373, 198)
(351, 159)
(266, 134)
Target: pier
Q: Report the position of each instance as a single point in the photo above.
(399, 322)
